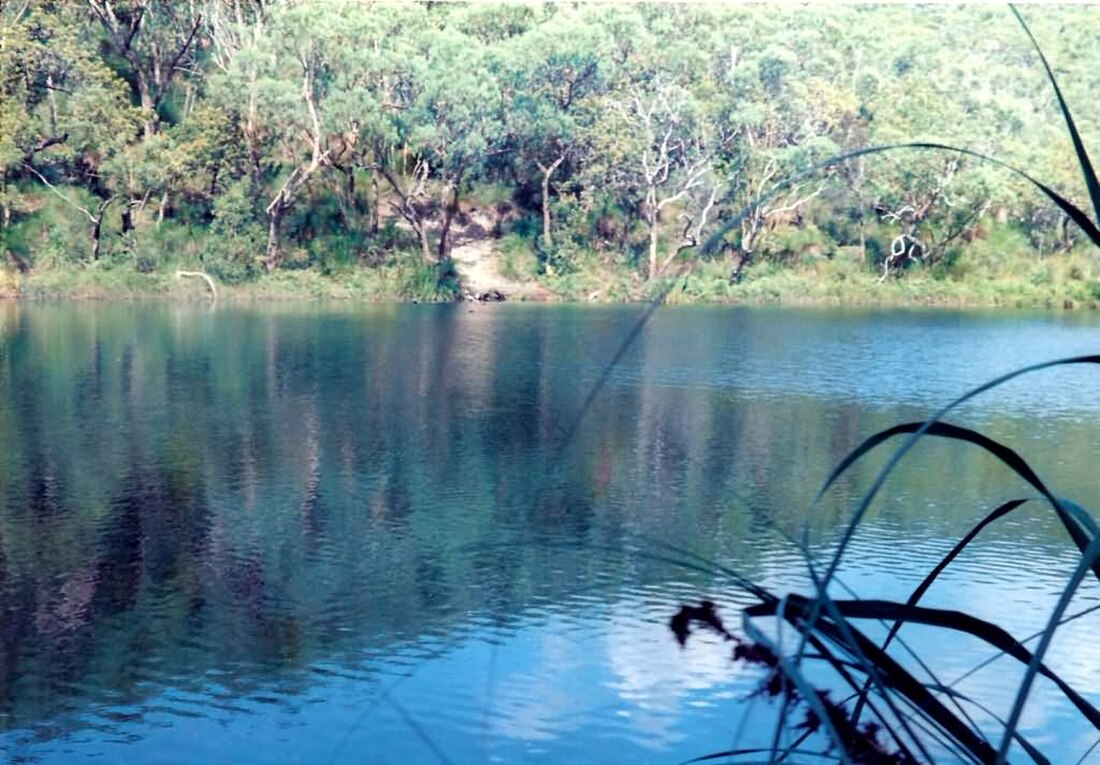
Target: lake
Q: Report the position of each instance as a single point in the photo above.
(309, 534)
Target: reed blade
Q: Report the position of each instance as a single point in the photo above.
(956, 621)
(1072, 516)
(892, 675)
(1087, 170)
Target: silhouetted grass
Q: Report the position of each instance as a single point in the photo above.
(911, 716)
(891, 713)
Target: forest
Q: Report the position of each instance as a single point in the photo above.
(347, 148)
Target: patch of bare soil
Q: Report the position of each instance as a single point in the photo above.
(476, 258)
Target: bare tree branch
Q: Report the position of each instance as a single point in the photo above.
(42, 145)
(135, 25)
(186, 45)
(200, 275)
(56, 191)
(693, 233)
(796, 203)
(21, 11)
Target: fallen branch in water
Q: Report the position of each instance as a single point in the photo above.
(201, 275)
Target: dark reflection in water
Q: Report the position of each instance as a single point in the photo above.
(322, 535)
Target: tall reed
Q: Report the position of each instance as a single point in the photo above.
(892, 713)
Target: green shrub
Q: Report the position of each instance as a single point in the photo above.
(334, 253)
(949, 266)
(383, 246)
(234, 251)
(574, 285)
(418, 282)
(527, 226)
(56, 235)
(165, 247)
(795, 241)
(518, 259)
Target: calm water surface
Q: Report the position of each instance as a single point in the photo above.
(313, 535)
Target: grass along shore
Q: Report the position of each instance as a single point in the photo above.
(1048, 284)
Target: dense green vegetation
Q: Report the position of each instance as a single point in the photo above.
(346, 149)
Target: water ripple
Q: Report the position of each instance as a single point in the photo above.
(259, 540)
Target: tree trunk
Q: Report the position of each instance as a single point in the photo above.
(408, 211)
(284, 198)
(255, 158)
(128, 217)
(624, 231)
(343, 199)
(750, 227)
(653, 223)
(547, 242)
(862, 211)
(148, 104)
(349, 204)
(271, 257)
(97, 227)
(425, 247)
(16, 262)
(450, 207)
(375, 201)
(52, 100)
(5, 221)
(743, 259)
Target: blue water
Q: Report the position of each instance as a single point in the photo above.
(386, 534)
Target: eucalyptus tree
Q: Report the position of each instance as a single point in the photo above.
(784, 105)
(1039, 140)
(193, 160)
(375, 80)
(446, 116)
(291, 83)
(368, 105)
(656, 143)
(63, 112)
(157, 40)
(1010, 110)
(233, 28)
(552, 76)
(930, 200)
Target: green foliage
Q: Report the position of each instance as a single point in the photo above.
(518, 259)
(52, 237)
(164, 248)
(333, 253)
(233, 252)
(606, 137)
(435, 283)
(912, 712)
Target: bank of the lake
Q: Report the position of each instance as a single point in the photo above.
(824, 285)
